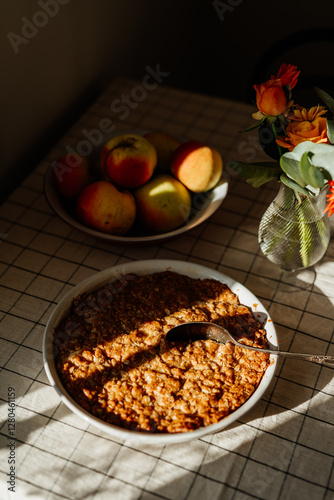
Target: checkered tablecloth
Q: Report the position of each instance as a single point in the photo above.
(282, 449)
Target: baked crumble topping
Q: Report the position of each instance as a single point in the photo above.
(113, 359)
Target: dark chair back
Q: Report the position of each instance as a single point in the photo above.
(312, 51)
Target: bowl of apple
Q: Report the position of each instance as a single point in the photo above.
(137, 188)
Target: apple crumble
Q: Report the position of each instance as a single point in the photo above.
(113, 358)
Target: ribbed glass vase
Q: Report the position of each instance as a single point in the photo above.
(294, 232)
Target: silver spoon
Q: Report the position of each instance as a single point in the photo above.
(201, 330)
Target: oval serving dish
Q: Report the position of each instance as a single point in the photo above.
(144, 268)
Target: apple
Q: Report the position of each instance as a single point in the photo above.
(128, 160)
(165, 145)
(163, 204)
(105, 208)
(197, 166)
(71, 173)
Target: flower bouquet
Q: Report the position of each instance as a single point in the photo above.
(294, 231)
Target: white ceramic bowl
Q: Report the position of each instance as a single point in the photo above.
(203, 206)
(141, 268)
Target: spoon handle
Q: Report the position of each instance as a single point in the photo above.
(314, 358)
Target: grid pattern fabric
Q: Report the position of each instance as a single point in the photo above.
(282, 449)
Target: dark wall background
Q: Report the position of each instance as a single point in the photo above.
(238, 43)
(215, 47)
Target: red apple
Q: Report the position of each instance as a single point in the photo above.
(105, 208)
(128, 160)
(197, 166)
(71, 174)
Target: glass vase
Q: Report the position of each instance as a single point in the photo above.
(294, 232)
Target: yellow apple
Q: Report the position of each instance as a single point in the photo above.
(163, 204)
(197, 166)
(105, 208)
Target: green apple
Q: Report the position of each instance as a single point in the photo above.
(163, 204)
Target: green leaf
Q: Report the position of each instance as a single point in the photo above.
(292, 169)
(256, 174)
(330, 131)
(293, 185)
(323, 155)
(252, 127)
(311, 174)
(304, 166)
(326, 98)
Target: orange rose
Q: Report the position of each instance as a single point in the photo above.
(271, 99)
(300, 131)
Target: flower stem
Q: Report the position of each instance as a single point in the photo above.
(275, 135)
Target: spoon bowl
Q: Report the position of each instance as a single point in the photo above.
(202, 330)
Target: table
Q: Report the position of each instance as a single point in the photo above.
(282, 449)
